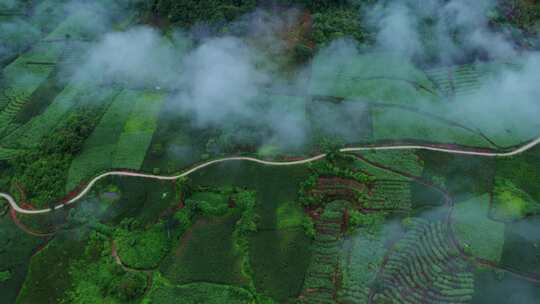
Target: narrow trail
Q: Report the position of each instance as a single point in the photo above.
(437, 148)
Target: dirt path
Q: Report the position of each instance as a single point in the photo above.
(437, 148)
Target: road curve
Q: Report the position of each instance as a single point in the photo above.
(89, 186)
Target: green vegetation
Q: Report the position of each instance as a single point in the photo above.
(424, 265)
(56, 256)
(336, 23)
(404, 160)
(4, 276)
(370, 223)
(524, 14)
(289, 215)
(521, 172)
(420, 127)
(510, 202)
(522, 246)
(189, 12)
(319, 284)
(333, 178)
(16, 250)
(360, 263)
(64, 105)
(139, 127)
(210, 203)
(163, 292)
(96, 277)
(478, 234)
(376, 77)
(205, 254)
(141, 248)
(41, 172)
(121, 138)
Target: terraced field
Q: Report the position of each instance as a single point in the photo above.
(362, 256)
(425, 267)
(321, 277)
(29, 71)
(68, 101)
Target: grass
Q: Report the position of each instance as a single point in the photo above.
(205, 254)
(478, 234)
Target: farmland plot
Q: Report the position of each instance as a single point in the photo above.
(398, 124)
(28, 72)
(121, 138)
(138, 129)
(361, 258)
(73, 96)
(372, 77)
(425, 267)
(478, 234)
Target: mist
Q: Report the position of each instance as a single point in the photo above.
(229, 81)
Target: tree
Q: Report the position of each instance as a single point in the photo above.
(130, 286)
(4, 276)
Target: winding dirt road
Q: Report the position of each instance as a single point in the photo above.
(451, 150)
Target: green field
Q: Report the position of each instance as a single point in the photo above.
(195, 293)
(56, 256)
(205, 253)
(401, 125)
(121, 139)
(373, 77)
(68, 101)
(29, 71)
(477, 233)
(16, 251)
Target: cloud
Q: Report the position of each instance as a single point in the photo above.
(138, 57)
(452, 29)
(220, 80)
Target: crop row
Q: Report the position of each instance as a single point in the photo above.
(360, 264)
(425, 267)
(403, 160)
(320, 281)
(32, 69)
(390, 194)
